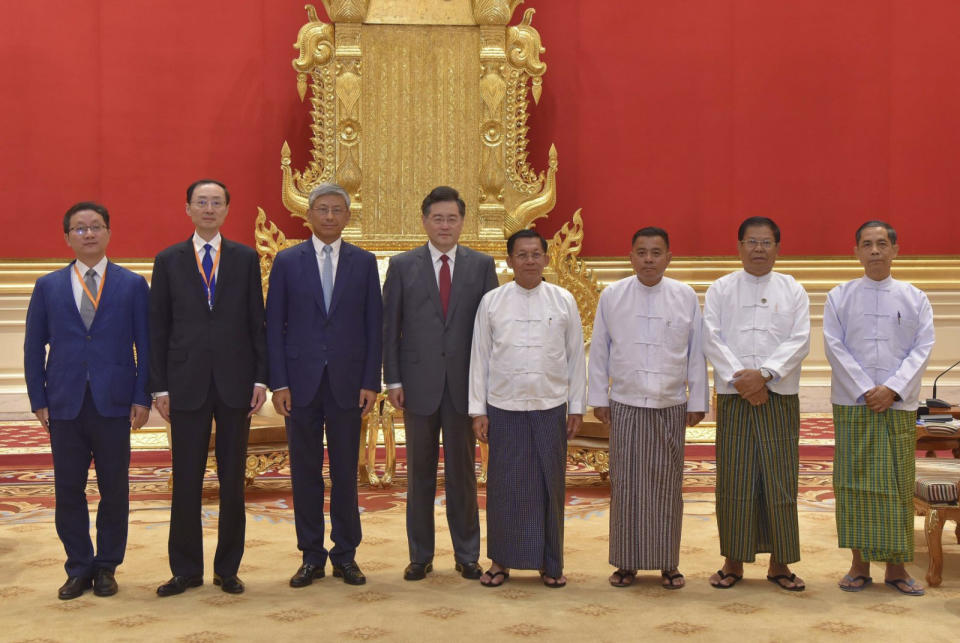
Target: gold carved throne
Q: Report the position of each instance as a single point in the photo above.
(405, 95)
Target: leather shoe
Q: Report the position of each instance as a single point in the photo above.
(178, 585)
(417, 571)
(470, 570)
(350, 572)
(230, 584)
(306, 575)
(104, 584)
(74, 587)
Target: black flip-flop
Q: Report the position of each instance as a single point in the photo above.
(910, 591)
(672, 577)
(791, 578)
(736, 579)
(556, 584)
(493, 576)
(626, 576)
(849, 587)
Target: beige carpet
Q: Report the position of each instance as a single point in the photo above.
(447, 608)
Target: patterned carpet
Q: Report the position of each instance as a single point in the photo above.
(444, 607)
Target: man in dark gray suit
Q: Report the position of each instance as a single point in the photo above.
(430, 299)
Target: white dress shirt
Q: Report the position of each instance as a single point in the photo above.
(437, 263)
(646, 348)
(99, 268)
(199, 242)
(752, 322)
(334, 254)
(527, 352)
(877, 332)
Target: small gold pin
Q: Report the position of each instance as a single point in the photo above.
(763, 301)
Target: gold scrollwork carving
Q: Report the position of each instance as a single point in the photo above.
(258, 463)
(346, 10)
(315, 44)
(598, 459)
(524, 49)
(269, 241)
(572, 272)
(535, 207)
(349, 174)
(494, 12)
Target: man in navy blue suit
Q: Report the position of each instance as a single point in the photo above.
(324, 317)
(89, 391)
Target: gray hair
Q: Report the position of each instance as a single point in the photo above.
(324, 189)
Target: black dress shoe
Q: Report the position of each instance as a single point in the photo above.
(417, 571)
(74, 587)
(470, 570)
(350, 572)
(230, 584)
(178, 585)
(104, 584)
(306, 574)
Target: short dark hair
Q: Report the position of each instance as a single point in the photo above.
(759, 221)
(85, 205)
(196, 184)
(526, 233)
(891, 233)
(651, 231)
(443, 193)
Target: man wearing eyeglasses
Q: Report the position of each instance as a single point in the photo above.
(209, 361)
(430, 299)
(88, 391)
(756, 334)
(324, 325)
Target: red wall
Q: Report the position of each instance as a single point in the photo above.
(690, 114)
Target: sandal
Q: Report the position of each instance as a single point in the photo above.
(556, 584)
(905, 586)
(491, 578)
(850, 580)
(792, 578)
(723, 576)
(624, 577)
(669, 577)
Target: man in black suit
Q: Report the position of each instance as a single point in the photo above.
(324, 319)
(209, 362)
(430, 299)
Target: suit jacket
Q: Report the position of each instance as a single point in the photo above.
(422, 350)
(191, 343)
(303, 340)
(58, 380)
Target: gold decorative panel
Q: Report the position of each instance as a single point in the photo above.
(415, 105)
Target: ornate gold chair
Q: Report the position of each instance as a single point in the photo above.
(404, 96)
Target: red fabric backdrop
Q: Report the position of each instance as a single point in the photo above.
(689, 114)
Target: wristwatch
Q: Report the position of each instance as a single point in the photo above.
(766, 373)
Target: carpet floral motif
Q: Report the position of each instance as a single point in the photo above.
(740, 608)
(135, 620)
(836, 627)
(678, 627)
(889, 608)
(290, 616)
(443, 613)
(14, 590)
(205, 636)
(370, 597)
(526, 630)
(593, 609)
(365, 633)
(514, 594)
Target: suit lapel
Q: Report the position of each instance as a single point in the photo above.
(311, 271)
(460, 275)
(341, 277)
(429, 277)
(66, 296)
(224, 268)
(110, 286)
(191, 274)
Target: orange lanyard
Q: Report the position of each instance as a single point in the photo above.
(213, 273)
(95, 302)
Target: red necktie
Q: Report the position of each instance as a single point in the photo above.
(444, 283)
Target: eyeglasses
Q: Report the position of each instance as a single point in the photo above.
(324, 210)
(753, 244)
(440, 220)
(523, 256)
(81, 230)
(216, 204)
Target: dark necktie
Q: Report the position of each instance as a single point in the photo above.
(87, 311)
(326, 277)
(207, 264)
(444, 283)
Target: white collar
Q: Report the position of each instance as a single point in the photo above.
(199, 242)
(318, 245)
(435, 252)
(100, 267)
